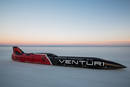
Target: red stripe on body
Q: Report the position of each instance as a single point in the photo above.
(46, 60)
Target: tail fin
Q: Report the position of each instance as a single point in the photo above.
(17, 51)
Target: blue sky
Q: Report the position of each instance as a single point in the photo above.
(64, 21)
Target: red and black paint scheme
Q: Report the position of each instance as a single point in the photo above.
(52, 59)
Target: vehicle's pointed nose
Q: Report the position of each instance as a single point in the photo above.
(122, 66)
(118, 66)
(113, 65)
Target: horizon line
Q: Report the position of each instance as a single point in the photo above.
(36, 45)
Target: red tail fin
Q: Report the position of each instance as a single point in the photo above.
(17, 50)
